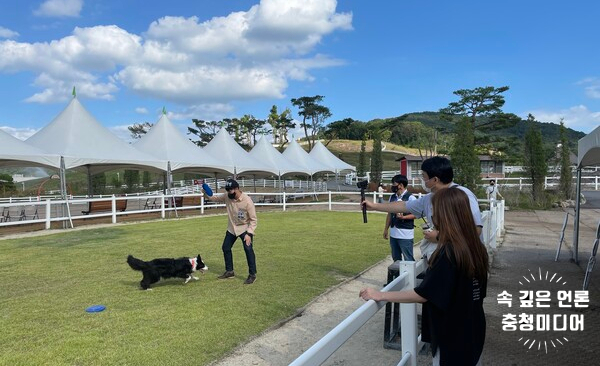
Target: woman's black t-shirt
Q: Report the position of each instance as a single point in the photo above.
(453, 318)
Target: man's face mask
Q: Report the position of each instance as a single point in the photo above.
(395, 189)
(231, 195)
(424, 185)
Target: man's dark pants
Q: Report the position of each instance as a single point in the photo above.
(248, 249)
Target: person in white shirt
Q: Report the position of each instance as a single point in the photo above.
(400, 227)
(492, 191)
(437, 174)
(380, 191)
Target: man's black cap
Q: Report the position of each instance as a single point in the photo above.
(231, 184)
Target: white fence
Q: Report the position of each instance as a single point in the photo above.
(493, 226)
(590, 182)
(48, 211)
(411, 343)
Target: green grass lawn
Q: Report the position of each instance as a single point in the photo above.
(48, 281)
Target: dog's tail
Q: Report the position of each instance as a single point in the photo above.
(137, 264)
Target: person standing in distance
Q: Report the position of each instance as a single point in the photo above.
(400, 227)
(380, 191)
(437, 174)
(492, 192)
(242, 223)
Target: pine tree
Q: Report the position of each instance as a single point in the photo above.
(534, 159)
(99, 183)
(376, 158)
(566, 175)
(361, 169)
(465, 161)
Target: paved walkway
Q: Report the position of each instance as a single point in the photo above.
(529, 244)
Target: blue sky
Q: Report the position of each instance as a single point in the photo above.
(212, 59)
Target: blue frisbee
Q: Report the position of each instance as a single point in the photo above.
(95, 308)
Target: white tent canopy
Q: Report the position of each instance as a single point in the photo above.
(224, 148)
(14, 152)
(326, 157)
(77, 136)
(277, 164)
(588, 149)
(295, 153)
(165, 142)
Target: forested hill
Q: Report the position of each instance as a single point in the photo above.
(550, 131)
(430, 131)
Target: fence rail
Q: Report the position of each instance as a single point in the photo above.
(326, 346)
(589, 182)
(493, 226)
(48, 211)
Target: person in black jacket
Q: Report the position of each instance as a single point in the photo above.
(454, 285)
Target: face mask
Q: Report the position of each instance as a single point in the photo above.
(424, 186)
(395, 189)
(231, 195)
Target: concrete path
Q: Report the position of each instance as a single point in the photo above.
(529, 244)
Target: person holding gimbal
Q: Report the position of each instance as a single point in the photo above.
(437, 174)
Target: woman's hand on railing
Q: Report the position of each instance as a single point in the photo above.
(370, 294)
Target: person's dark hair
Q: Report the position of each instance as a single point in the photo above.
(440, 167)
(400, 179)
(458, 234)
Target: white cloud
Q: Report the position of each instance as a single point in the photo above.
(122, 132)
(7, 33)
(578, 117)
(207, 112)
(59, 8)
(592, 87)
(245, 55)
(141, 110)
(20, 133)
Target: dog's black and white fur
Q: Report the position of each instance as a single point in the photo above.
(166, 268)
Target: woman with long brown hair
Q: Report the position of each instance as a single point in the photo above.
(454, 285)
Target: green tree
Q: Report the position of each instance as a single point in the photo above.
(99, 183)
(483, 108)
(280, 123)
(338, 130)
(204, 130)
(565, 189)
(251, 126)
(376, 158)
(138, 130)
(534, 159)
(7, 184)
(146, 179)
(465, 161)
(361, 169)
(131, 179)
(313, 112)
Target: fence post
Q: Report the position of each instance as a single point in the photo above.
(545, 182)
(162, 205)
(596, 183)
(202, 205)
(114, 209)
(408, 317)
(48, 213)
(283, 201)
(520, 183)
(329, 193)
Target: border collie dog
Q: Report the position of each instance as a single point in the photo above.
(166, 268)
